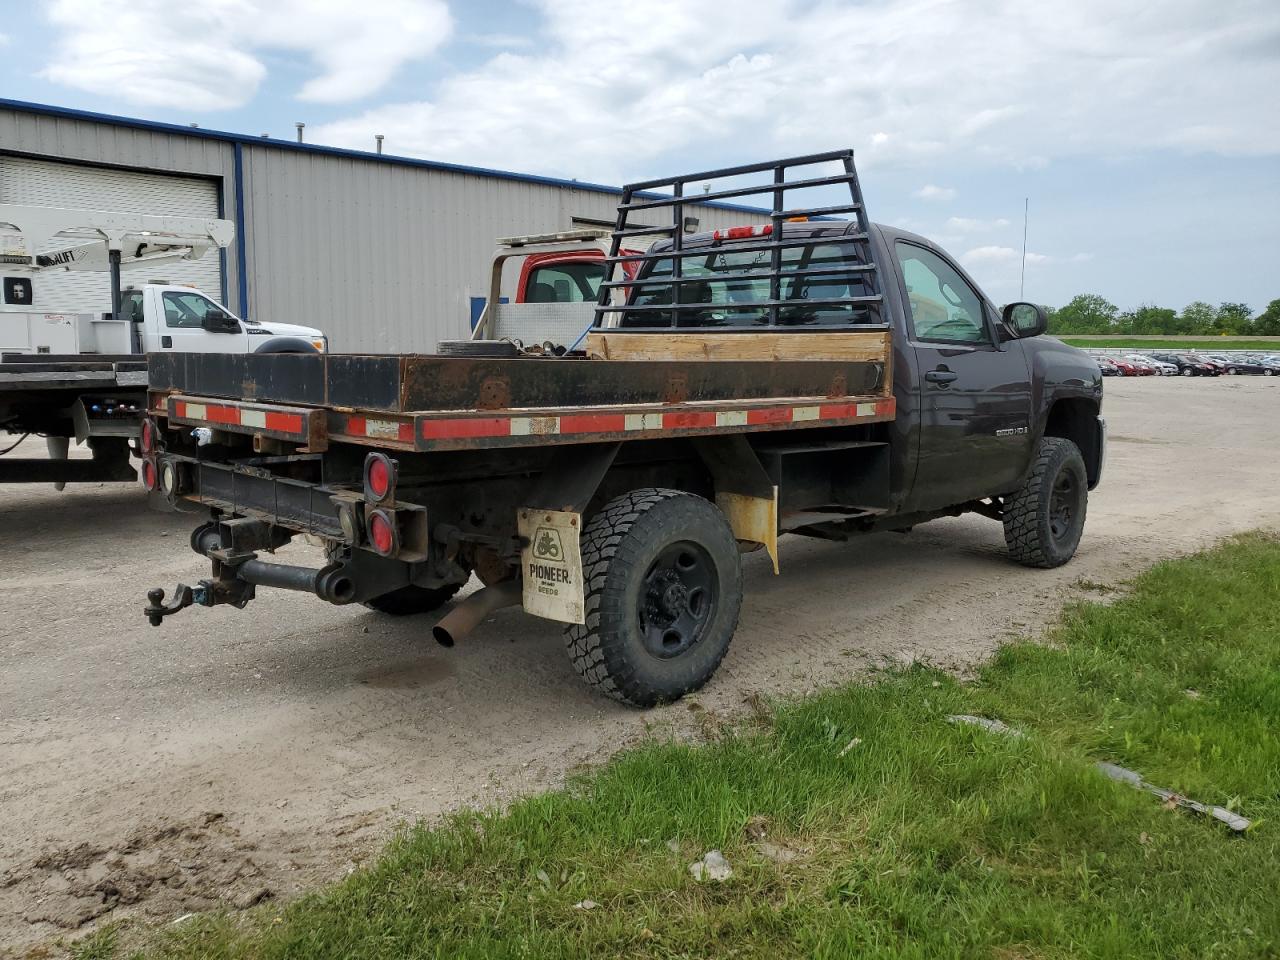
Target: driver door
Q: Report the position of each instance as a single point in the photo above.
(975, 398)
(183, 330)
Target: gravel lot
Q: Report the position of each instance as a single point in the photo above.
(232, 756)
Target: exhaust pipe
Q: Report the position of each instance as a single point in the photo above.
(466, 616)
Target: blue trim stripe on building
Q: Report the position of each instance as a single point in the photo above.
(23, 106)
(242, 239)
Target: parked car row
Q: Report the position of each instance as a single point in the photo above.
(1187, 365)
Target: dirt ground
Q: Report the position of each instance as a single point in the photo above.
(234, 756)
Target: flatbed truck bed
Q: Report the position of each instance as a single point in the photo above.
(426, 403)
(98, 399)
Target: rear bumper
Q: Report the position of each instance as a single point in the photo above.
(241, 491)
(334, 513)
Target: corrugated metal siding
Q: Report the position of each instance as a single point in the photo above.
(51, 137)
(386, 258)
(47, 183)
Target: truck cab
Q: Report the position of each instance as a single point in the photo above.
(975, 392)
(182, 319)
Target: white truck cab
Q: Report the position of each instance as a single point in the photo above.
(182, 319)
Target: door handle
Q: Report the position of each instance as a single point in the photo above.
(166, 341)
(941, 375)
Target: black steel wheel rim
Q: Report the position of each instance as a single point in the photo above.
(677, 599)
(1064, 504)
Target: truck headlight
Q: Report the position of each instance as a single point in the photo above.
(322, 344)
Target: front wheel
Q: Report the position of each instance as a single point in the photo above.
(1043, 520)
(1188, 372)
(663, 591)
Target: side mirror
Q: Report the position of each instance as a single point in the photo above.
(219, 322)
(1025, 319)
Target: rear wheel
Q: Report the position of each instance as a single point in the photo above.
(663, 591)
(412, 599)
(1043, 521)
(1188, 372)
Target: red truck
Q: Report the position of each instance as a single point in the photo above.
(821, 378)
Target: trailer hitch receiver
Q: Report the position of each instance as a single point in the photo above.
(207, 593)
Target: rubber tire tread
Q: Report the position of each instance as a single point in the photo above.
(1026, 513)
(597, 655)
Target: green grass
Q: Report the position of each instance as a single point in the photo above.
(924, 839)
(1201, 344)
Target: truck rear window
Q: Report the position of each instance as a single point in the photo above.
(565, 282)
(715, 287)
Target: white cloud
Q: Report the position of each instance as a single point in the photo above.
(931, 192)
(608, 97)
(989, 255)
(993, 254)
(503, 40)
(204, 55)
(4, 39)
(970, 225)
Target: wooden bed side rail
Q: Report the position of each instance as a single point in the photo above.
(870, 346)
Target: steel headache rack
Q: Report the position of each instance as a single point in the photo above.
(812, 269)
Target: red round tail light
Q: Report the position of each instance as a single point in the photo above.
(148, 438)
(379, 477)
(148, 475)
(382, 533)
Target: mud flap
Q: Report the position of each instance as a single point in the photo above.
(551, 564)
(753, 519)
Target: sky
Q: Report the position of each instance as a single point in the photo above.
(1143, 137)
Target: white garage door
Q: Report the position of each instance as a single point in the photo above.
(47, 183)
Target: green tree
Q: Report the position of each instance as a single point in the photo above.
(1086, 313)
(1197, 318)
(1153, 320)
(1233, 319)
(1267, 323)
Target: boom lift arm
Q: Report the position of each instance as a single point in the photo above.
(102, 240)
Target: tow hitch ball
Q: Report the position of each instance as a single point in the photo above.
(183, 597)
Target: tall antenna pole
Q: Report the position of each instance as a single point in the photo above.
(1022, 284)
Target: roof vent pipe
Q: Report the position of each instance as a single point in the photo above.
(377, 138)
(300, 126)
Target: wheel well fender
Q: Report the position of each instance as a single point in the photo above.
(285, 345)
(1076, 419)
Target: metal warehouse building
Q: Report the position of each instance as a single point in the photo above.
(386, 254)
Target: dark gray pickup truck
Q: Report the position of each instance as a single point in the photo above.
(812, 376)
